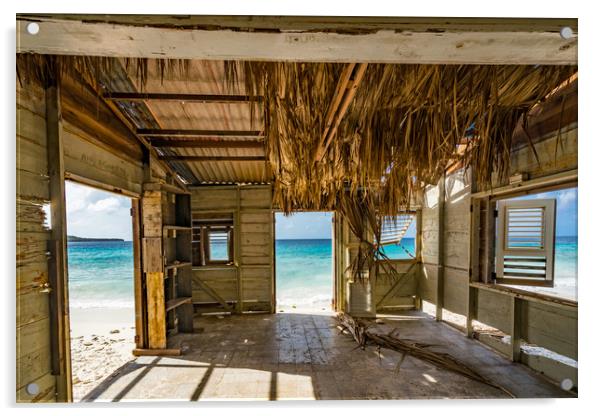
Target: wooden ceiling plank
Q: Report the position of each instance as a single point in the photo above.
(215, 158)
(197, 133)
(180, 97)
(208, 143)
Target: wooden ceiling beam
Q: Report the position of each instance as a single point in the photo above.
(346, 88)
(402, 40)
(208, 143)
(197, 133)
(192, 98)
(185, 158)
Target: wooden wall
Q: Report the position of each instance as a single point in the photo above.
(248, 284)
(98, 149)
(33, 323)
(546, 324)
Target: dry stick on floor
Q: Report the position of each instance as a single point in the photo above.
(360, 332)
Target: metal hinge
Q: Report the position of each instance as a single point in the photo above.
(495, 212)
(131, 212)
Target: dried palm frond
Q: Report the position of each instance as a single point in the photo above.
(94, 69)
(364, 334)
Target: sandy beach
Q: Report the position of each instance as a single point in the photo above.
(102, 341)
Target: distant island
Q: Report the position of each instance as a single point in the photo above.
(73, 238)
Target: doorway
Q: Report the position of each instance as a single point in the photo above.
(304, 261)
(100, 261)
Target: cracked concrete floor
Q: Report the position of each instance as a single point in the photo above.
(296, 356)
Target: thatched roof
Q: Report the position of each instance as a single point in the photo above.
(401, 130)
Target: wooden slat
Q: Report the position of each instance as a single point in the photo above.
(215, 158)
(194, 98)
(174, 303)
(208, 143)
(212, 293)
(197, 133)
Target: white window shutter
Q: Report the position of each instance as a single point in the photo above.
(526, 234)
(393, 229)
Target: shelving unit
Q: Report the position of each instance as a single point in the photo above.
(177, 266)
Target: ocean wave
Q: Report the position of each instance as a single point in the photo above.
(317, 300)
(101, 303)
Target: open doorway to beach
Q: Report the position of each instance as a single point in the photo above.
(304, 261)
(100, 262)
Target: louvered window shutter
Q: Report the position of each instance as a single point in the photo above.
(393, 231)
(526, 233)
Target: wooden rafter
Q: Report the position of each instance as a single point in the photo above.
(214, 158)
(129, 123)
(193, 98)
(197, 133)
(344, 93)
(208, 143)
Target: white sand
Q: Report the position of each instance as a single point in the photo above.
(96, 352)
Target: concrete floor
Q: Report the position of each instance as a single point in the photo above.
(304, 356)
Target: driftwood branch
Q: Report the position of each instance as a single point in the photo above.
(363, 334)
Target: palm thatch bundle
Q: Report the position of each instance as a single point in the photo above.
(403, 128)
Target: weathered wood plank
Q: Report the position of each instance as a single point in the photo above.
(59, 297)
(157, 336)
(405, 40)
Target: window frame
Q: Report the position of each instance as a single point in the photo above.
(203, 227)
(548, 225)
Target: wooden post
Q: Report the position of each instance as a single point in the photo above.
(441, 242)
(489, 249)
(139, 286)
(152, 256)
(417, 298)
(475, 238)
(237, 257)
(59, 298)
(515, 333)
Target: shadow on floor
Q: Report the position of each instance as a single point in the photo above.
(295, 356)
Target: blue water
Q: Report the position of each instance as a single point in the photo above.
(101, 274)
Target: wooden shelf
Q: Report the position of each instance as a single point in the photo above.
(176, 228)
(174, 303)
(177, 265)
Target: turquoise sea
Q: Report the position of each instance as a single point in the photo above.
(101, 273)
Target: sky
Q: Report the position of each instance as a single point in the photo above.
(95, 213)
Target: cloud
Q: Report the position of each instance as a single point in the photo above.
(95, 213)
(110, 204)
(567, 198)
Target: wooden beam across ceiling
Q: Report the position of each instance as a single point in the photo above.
(406, 40)
(197, 133)
(185, 158)
(193, 98)
(208, 143)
